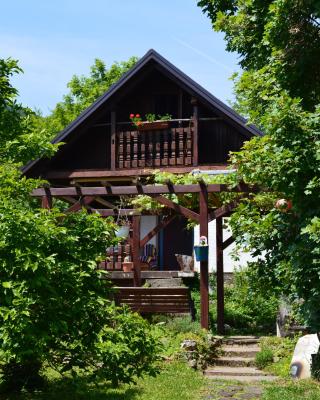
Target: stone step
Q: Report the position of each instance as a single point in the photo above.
(244, 379)
(241, 340)
(233, 371)
(240, 337)
(235, 361)
(240, 351)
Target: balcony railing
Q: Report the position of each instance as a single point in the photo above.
(154, 148)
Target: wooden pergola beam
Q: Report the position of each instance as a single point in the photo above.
(143, 189)
(105, 202)
(165, 222)
(69, 199)
(85, 201)
(223, 211)
(227, 242)
(178, 208)
(108, 212)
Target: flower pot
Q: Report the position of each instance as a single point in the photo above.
(201, 253)
(127, 266)
(148, 126)
(122, 231)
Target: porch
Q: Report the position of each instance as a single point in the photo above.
(87, 194)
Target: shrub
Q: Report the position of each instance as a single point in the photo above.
(315, 366)
(282, 350)
(127, 348)
(247, 308)
(54, 308)
(182, 325)
(204, 349)
(264, 358)
(281, 347)
(52, 298)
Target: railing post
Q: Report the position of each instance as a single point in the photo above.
(195, 119)
(142, 159)
(121, 151)
(113, 140)
(135, 149)
(127, 163)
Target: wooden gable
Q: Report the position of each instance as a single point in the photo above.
(152, 86)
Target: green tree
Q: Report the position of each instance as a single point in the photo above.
(83, 91)
(54, 308)
(279, 90)
(20, 139)
(282, 35)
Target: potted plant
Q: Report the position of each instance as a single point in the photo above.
(123, 229)
(122, 222)
(127, 265)
(202, 250)
(152, 121)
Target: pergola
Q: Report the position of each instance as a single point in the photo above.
(82, 196)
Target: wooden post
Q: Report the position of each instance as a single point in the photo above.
(195, 119)
(136, 250)
(180, 105)
(204, 273)
(46, 201)
(113, 140)
(220, 278)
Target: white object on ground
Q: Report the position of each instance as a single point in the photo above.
(301, 361)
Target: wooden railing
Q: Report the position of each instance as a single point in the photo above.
(154, 148)
(115, 257)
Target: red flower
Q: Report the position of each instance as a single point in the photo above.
(131, 116)
(137, 115)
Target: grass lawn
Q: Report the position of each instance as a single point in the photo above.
(175, 382)
(284, 389)
(292, 390)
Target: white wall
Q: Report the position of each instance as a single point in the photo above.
(148, 222)
(228, 262)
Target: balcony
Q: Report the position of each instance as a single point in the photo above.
(154, 148)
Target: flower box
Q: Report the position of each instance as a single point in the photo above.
(149, 126)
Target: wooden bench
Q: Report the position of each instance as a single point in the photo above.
(171, 300)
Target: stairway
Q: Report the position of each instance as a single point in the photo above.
(238, 361)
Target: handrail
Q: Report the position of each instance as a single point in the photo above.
(167, 120)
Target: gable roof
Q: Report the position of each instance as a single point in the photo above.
(168, 67)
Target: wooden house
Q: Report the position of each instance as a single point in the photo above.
(103, 147)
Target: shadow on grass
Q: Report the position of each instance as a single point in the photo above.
(77, 389)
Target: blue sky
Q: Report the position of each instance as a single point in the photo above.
(55, 39)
